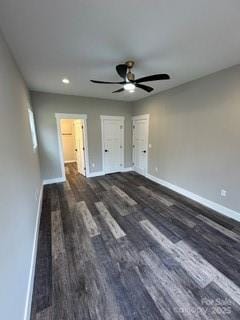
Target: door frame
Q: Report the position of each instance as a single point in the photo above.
(122, 119)
(73, 116)
(141, 117)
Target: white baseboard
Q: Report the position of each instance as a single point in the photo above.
(102, 173)
(70, 161)
(127, 169)
(28, 304)
(207, 203)
(95, 174)
(54, 180)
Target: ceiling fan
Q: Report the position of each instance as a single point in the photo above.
(129, 83)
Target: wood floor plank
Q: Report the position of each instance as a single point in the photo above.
(67, 171)
(154, 195)
(220, 228)
(45, 314)
(124, 196)
(88, 219)
(189, 221)
(67, 185)
(159, 295)
(139, 296)
(111, 222)
(62, 300)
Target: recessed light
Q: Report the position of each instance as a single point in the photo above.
(65, 81)
(129, 87)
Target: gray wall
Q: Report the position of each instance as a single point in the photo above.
(46, 105)
(19, 180)
(195, 136)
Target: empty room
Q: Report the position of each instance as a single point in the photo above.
(119, 161)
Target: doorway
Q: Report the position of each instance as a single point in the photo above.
(73, 148)
(140, 126)
(112, 143)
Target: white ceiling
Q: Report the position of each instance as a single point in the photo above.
(85, 39)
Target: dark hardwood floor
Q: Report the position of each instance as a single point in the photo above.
(121, 247)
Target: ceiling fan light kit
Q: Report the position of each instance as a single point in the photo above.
(129, 86)
(129, 83)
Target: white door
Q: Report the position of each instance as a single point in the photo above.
(79, 143)
(140, 145)
(112, 143)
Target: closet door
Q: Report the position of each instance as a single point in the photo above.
(140, 145)
(112, 143)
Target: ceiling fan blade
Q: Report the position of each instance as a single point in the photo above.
(119, 90)
(144, 87)
(122, 70)
(154, 77)
(107, 82)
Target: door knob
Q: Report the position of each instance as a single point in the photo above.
(106, 150)
(144, 151)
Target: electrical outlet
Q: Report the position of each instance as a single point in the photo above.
(93, 165)
(223, 193)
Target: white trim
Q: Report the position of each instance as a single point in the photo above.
(54, 180)
(28, 304)
(141, 117)
(147, 118)
(127, 169)
(119, 118)
(70, 116)
(32, 128)
(95, 174)
(102, 117)
(70, 161)
(102, 173)
(85, 137)
(60, 150)
(59, 117)
(207, 203)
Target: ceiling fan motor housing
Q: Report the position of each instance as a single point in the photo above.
(130, 76)
(130, 64)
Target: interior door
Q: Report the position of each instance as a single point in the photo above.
(140, 145)
(112, 136)
(79, 143)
